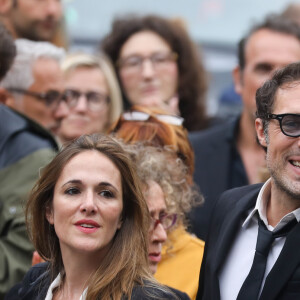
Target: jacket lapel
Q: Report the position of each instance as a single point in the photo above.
(220, 150)
(231, 225)
(287, 262)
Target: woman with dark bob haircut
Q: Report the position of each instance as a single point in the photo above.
(176, 71)
(89, 221)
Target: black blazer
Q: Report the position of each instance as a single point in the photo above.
(213, 149)
(37, 281)
(283, 281)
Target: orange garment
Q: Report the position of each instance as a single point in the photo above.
(180, 265)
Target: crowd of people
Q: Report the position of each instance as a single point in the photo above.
(117, 184)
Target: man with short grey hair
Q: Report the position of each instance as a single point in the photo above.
(31, 90)
(33, 85)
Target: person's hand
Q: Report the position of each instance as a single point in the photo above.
(36, 259)
(171, 105)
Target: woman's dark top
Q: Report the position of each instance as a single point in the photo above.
(37, 281)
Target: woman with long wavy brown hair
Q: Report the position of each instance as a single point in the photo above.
(89, 221)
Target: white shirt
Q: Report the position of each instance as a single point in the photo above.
(56, 282)
(240, 257)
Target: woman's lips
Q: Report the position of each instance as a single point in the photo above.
(78, 121)
(87, 226)
(155, 257)
(149, 90)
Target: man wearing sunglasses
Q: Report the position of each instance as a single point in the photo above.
(229, 156)
(33, 86)
(254, 239)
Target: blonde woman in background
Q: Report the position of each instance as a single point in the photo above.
(92, 94)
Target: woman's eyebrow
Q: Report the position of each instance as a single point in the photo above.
(72, 181)
(107, 184)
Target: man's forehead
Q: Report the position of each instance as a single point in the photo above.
(263, 33)
(287, 98)
(45, 65)
(47, 71)
(271, 47)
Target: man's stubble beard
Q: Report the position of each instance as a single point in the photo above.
(282, 182)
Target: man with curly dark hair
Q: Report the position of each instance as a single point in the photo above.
(252, 250)
(229, 156)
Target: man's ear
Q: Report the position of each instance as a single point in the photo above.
(237, 79)
(5, 6)
(262, 139)
(7, 98)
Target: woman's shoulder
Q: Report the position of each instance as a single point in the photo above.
(150, 291)
(33, 284)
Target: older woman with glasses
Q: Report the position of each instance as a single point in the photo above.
(168, 186)
(92, 94)
(158, 65)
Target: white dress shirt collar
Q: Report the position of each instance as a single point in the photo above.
(261, 209)
(56, 283)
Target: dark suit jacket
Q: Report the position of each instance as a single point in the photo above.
(37, 281)
(283, 281)
(213, 151)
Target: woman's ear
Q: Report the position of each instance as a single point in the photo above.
(49, 215)
(260, 132)
(120, 222)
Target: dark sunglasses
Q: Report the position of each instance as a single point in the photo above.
(289, 123)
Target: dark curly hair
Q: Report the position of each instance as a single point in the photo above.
(266, 95)
(192, 83)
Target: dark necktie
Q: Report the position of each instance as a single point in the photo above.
(251, 286)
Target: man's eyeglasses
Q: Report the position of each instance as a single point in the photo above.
(50, 98)
(95, 101)
(289, 123)
(142, 116)
(134, 63)
(167, 221)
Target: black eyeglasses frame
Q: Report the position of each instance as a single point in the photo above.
(77, 94)
(40, 96)
(280, 117)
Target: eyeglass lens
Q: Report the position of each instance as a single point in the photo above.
(95, 100)
(173, 120)
(52, 97)
(167, 221)
(142, 116)
(135, 62)
(290, 125)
